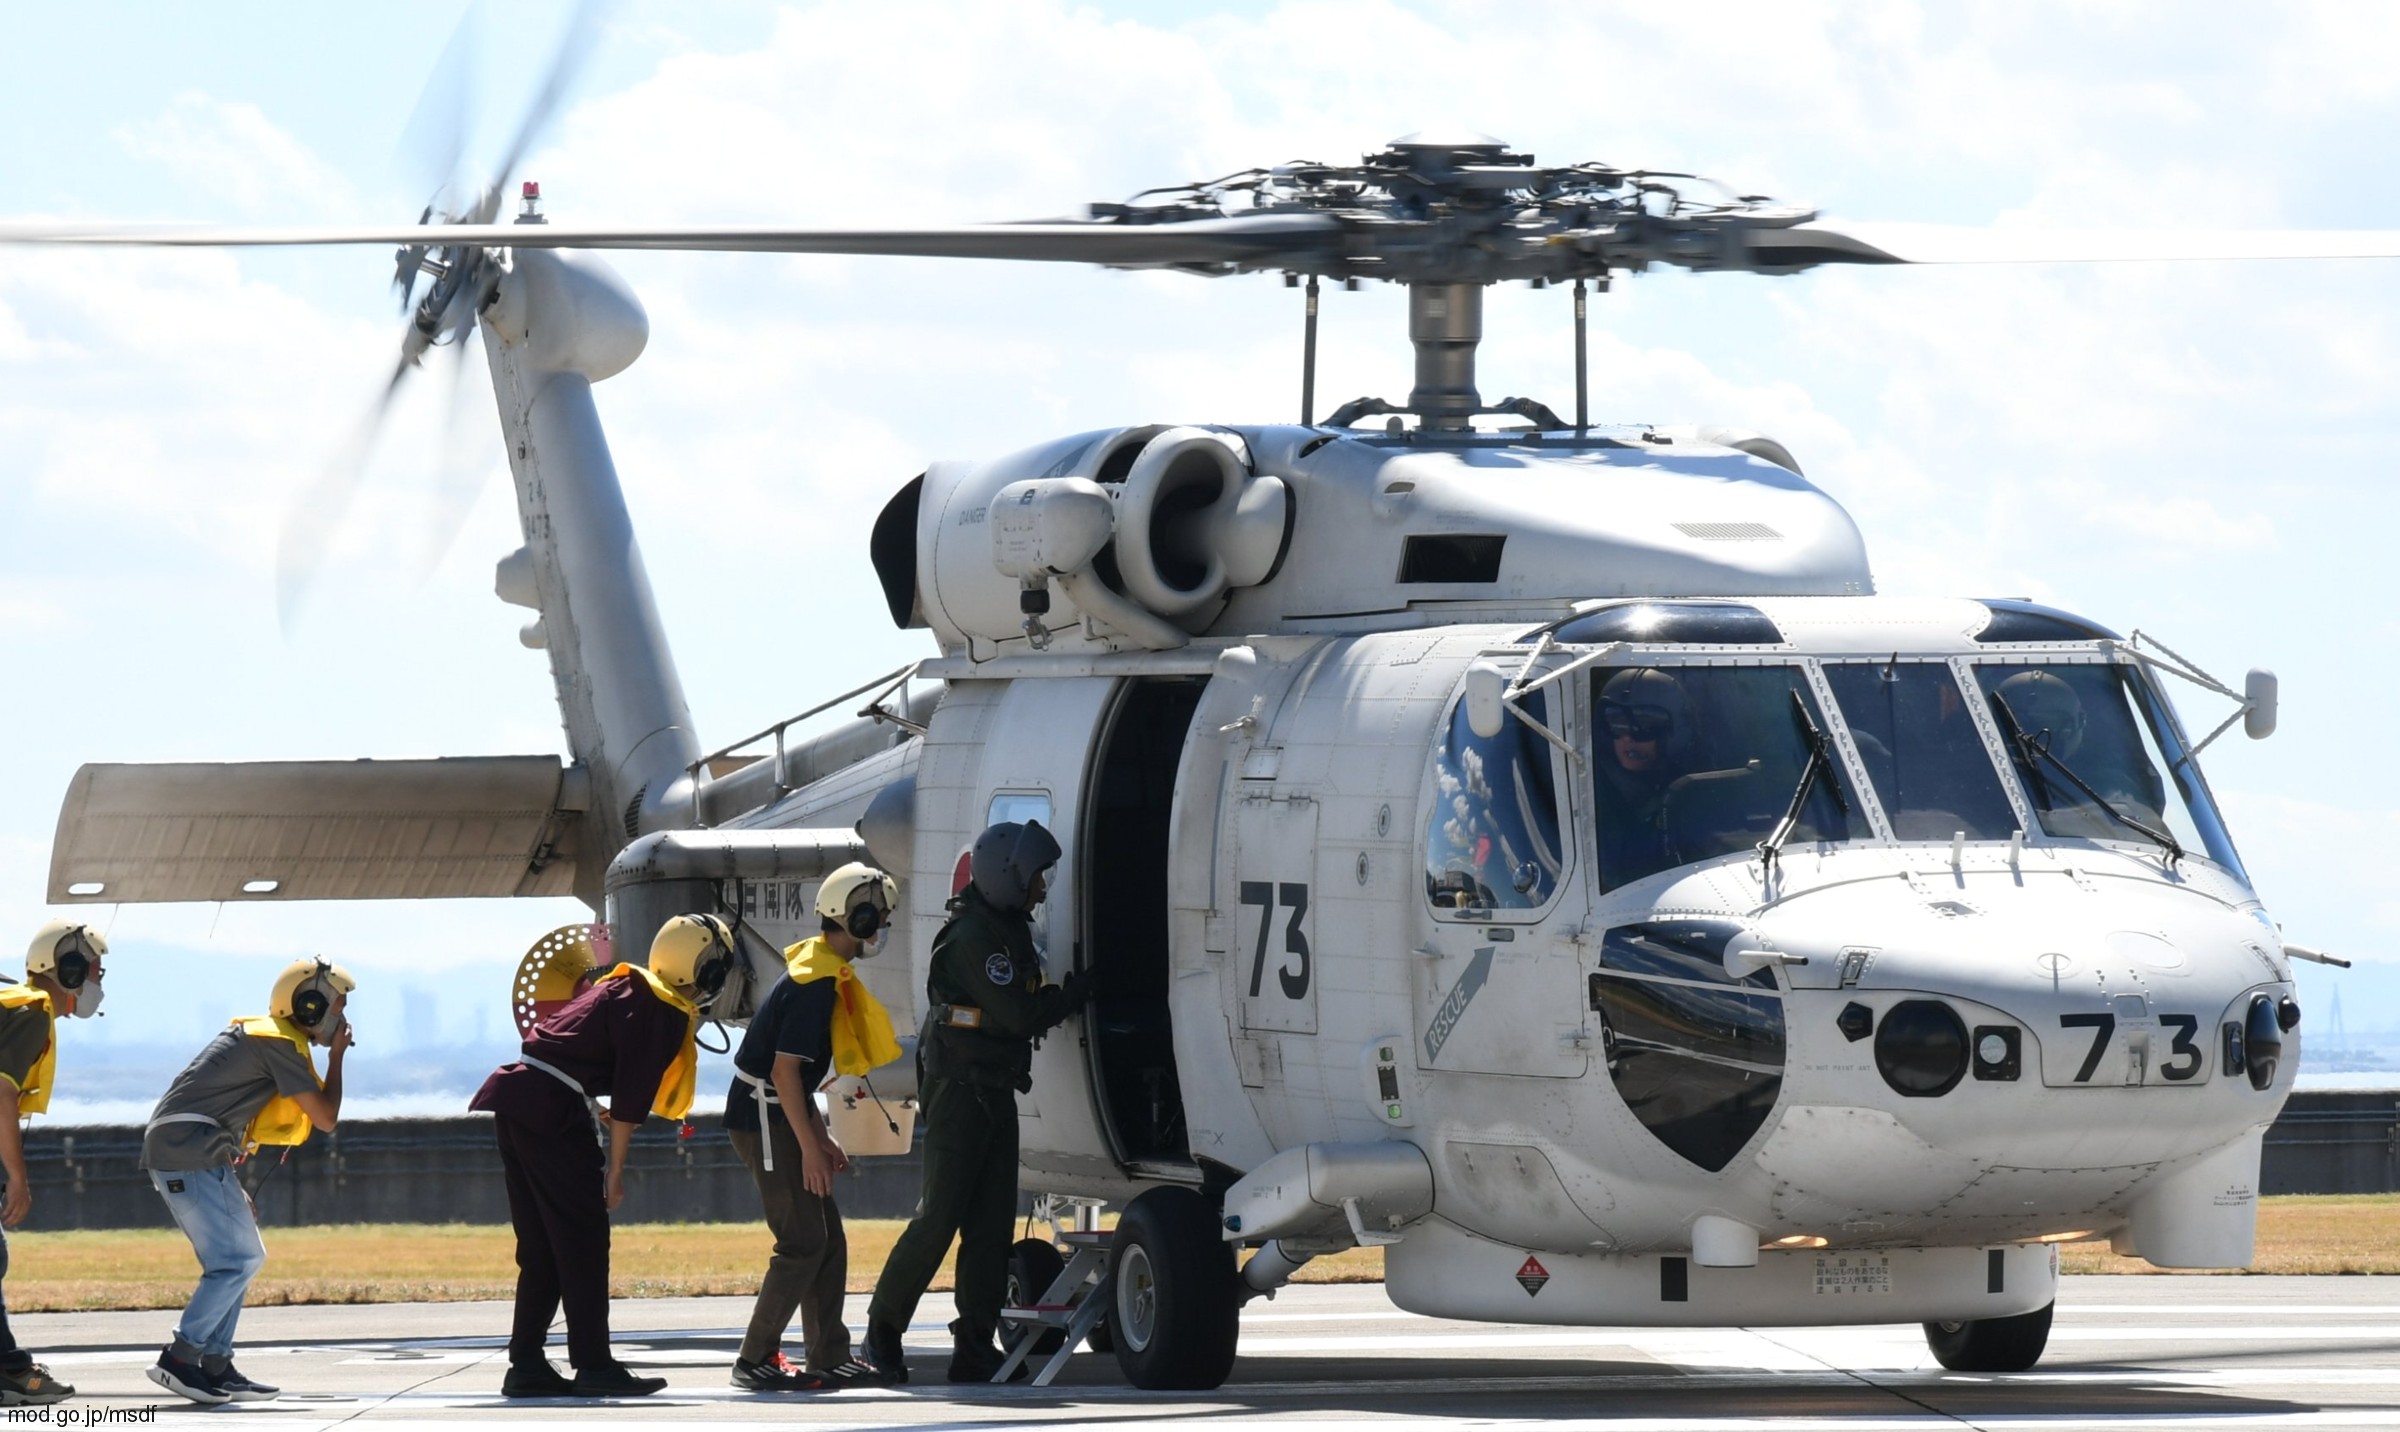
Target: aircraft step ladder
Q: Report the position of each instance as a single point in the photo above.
(1075, 1300)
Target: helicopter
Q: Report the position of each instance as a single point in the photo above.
(1321, 712)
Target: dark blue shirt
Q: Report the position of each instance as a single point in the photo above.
(793, 1019)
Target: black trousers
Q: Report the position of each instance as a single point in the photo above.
(558, 1203)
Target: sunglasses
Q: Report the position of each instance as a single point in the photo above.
(1642, 723)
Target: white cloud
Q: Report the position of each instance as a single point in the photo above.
(234, 151)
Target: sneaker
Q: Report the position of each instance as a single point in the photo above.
(852, 1371)
(536, 1379)
(776, 1374)
(187, 1380)
(32, 1386)
(614, 1379)
(883, 1356)
(243, 1389)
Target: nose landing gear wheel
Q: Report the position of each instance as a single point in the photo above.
(1176, 1311)
(1991, 1344)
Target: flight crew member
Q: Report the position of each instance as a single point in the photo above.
(62, 975)
(986, 1002)
(629, 1036)
(254, 1084)
(818, 1021)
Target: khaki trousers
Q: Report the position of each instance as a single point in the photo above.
(810, 1268)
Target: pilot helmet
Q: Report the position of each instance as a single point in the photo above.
(1648, 705)
(1006, 860)
(2047, 709)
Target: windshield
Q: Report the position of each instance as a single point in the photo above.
(2093, 767)
(1931, 770)
(1694, 762)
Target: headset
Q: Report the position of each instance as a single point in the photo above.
(310, 1003)
(864, 919)
(74, 960)
(716, 962)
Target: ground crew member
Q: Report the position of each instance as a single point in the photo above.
(986, 1002)
(62, 975)
(629, 1036)
(255, 1084)
(818, 1021)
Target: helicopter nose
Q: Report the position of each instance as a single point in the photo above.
(2149, 1030)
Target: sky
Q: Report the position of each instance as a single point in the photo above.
(2200, 451)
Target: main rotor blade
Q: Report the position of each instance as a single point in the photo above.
(1945, 244)
(1256, 238)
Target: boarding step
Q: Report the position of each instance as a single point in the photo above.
(1076, 1300)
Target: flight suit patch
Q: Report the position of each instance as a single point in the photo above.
(1000, 970)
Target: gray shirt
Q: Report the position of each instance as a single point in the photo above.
(235, 1076)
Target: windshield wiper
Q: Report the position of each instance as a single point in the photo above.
(1820, 767)
(2030, 753)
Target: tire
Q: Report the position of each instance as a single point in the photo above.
(1991, 1344)
(1100, 1339)
(1033, 1265)
(1175, 1308)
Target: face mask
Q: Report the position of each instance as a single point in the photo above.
(87, 999)
(872, 946)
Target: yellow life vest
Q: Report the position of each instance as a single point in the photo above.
(281, 1121)
(862, 1030)
(33, 1096)
(682, 1080)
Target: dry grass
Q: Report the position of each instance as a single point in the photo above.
(394, 1263)
(2346, 1233)
(389, 1263)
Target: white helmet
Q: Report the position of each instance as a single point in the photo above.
(70, 952)
(859, 898)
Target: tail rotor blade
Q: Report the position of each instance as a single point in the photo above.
(308, 530)
(434, 142)
(574, 47)
(463, 461)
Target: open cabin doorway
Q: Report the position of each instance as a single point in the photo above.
(1129, 812)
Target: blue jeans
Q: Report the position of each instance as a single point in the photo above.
(210, 1207)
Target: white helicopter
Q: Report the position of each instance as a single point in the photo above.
(1524, 845)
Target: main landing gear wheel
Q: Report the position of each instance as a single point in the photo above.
(1033, 1265)
(1991, 1344)
(1176, 1312)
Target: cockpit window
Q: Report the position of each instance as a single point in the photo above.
(1492, 840)
(2099, 758)
(1930, 767)
(1692, 762)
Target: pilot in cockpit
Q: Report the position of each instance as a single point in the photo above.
(1646, 722)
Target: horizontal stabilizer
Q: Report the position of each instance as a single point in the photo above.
(317, 830)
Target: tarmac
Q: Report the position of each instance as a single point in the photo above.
(2191, 1353)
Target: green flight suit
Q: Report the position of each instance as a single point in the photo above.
(983, 960)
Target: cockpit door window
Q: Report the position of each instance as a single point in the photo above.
(1492, 839)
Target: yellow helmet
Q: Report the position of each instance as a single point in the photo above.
(305, 991)
(67, 951)
(849, 893)
(694, 950)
